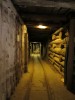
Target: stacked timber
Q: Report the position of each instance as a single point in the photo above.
(57, 48)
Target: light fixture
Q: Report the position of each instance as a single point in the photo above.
(42, 27)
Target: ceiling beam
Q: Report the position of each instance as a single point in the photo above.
(44, 3)
(43, 17)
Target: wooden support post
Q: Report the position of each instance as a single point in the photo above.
(26, 52)
(70, 55)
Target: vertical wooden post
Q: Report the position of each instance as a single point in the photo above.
(24, 48)
(32, 47)
(26, 52)
(70, 54)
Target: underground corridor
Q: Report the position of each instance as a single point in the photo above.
(37, 50)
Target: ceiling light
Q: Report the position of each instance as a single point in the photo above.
(41, 27)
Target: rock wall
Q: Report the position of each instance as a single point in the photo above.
(10, 49)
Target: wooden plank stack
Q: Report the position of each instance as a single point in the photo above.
(57, 49)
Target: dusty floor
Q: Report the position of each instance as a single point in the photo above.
(41, 83)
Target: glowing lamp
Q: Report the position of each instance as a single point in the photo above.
(42, 27)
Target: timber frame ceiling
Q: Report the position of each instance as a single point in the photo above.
(53, 13)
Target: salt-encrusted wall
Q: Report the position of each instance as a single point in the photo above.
(10, 49)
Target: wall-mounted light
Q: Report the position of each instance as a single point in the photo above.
(41, 27)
